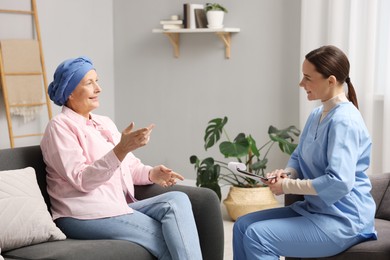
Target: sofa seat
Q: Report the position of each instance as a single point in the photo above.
(70, 249)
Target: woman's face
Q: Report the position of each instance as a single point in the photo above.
(315, 85)
(85, 97)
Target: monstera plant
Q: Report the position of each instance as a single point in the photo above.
(244, 149)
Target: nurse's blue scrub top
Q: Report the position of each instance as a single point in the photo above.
(334, 154)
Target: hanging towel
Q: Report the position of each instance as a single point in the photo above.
(21, 59)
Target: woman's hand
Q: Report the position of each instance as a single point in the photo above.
(164, 176)
(132, 140)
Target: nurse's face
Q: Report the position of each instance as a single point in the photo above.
(315, 85)
(85, 97)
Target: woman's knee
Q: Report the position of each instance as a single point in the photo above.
(173, 201)
(178, 198)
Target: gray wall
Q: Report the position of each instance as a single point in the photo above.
(257, 87)
(69, 29)
(142, 82)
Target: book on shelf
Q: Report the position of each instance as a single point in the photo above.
(189, 14)
(170, 22)
(200, 18)
(172, 26)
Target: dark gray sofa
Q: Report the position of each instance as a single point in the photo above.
(373, 249)
(205, 204)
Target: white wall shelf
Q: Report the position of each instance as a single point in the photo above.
(174, 37)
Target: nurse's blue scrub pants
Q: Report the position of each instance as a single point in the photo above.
(276, 232)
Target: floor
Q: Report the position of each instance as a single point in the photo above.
(228, 226)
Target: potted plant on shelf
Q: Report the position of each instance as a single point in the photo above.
(215, 14)
(243, 149)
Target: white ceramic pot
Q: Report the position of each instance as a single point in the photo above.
(215, 19)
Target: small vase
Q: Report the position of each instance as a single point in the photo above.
(215, 19)
(241, 201)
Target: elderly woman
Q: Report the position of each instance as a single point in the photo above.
(91, 172)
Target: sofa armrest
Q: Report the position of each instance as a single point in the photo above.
(291, 198)
(207, 213)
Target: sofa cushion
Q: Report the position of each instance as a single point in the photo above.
(24, 218)
(81, 249)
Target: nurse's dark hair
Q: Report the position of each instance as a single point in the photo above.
(330, 60)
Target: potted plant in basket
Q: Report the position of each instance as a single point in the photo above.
(243, 149)
(215, 13)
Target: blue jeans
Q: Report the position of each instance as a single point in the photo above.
(163, 224)
(268, 234)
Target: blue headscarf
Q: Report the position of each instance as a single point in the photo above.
(66, 77)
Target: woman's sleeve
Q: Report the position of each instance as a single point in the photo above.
(64, 155)
(139, 171)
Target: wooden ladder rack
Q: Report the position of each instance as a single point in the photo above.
(4, 74)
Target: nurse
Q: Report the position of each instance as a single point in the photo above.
(91, 173)
(328, 167)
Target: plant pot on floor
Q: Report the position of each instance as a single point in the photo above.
(215, 19)
(241, 201)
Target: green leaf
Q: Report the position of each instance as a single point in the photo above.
(194, 160)
(237, 149)
(284, 138)
(260, 165)
(207, 172)
(208, 175)
(213, 131)
(287, 147)
(288, 133)
(214, 7)
(253, 147)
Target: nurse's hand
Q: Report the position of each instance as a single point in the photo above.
(276, 187)
(164, 176)
(275, 181)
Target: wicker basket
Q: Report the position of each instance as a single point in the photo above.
(241, 201)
